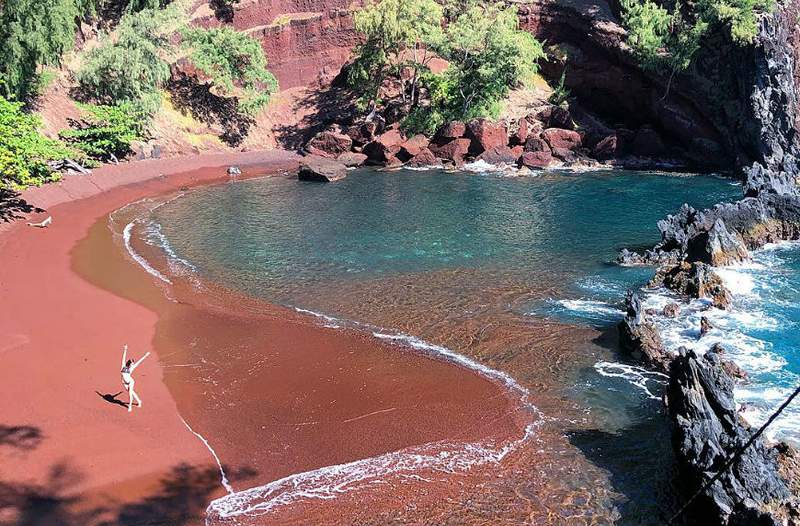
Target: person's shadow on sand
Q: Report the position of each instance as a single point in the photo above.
(112, 399)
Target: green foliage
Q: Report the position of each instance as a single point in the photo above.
(131, 65)
(398, 33)
(106, 132)
(24, 151)
(560, 93)
(233, 61)
(665, 40)
(488, 55)
(32, 33)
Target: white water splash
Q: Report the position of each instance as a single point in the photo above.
(126, 236)
(224, 478)
(637, 376)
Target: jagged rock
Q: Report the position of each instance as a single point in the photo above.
(538, 159)
(455, 150)
(671, 310)
(329, 144)
(730, 367)
(520, 136)
(565, 154)
(705, 326)
(560, 138)
(639, 337)
(695, 280)
(425, 158)
(706, 430)
(717, 247)
(652, 257)
(352, 159)
(606, 149)
(498, 155)
(486, 135)
(321, 169)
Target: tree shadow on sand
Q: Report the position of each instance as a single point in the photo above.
(322, 107)
(13, 207)
(180, 500)
(20, 437)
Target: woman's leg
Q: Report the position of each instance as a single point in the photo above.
(138, 399)
(131, 396)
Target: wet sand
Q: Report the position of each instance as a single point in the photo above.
(272, 392)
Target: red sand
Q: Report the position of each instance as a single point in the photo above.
(60, 340)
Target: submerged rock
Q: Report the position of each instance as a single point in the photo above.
(639, 337)
(321, 169)
(706, 430)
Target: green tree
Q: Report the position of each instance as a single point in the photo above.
(664, 40)
(488, 55)
(234, 61)
(24, 151)
(398, 34)
(131, 64)
(106, 132)
(32, 33)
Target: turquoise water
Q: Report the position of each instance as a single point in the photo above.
(433, 255)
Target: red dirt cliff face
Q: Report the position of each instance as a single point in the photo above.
(304, 40)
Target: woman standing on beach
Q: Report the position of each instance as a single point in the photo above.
(128, 366)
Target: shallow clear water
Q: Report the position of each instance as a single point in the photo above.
(485, 265)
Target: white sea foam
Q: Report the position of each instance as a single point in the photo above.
(639, 377)
(126, 236)
(331, 481)
(156, 237)
(223, 477)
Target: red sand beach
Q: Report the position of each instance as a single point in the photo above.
(282, 395)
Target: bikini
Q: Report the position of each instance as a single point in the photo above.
(127, 379)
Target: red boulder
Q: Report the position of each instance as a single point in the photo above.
(560, 138)
(498, 155)
(352, 159)
(486, 135)
(413, 146)
(451, 130)
(536, 144)
(329, 144)
(423, 159)
(454, 150)
(606, 149)
(384, 148)
(541, 159)
(521, 135)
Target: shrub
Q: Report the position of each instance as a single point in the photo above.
(669, 41)
(32, 33)
(235, 62)
(24, 151)
(131, 65)
(106, 132)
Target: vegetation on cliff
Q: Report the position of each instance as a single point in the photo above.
(668, 37)
(487, 55)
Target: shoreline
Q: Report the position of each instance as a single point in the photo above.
(194, 457)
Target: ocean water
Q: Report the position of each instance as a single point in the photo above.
(485, 265)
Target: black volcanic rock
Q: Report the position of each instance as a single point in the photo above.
(706, 432)
(639, 337)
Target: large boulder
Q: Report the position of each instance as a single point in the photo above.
(540, 159)
(455, 150)
(606, 149)
(412, 147)
(498, 155)
(560, 138)
(352, 159)
(520, 136)
(706, 431)
(362, 134)
(384, 148)
(329, 144)
(536, 144)
(639, 337)
(451, 130)
(321, 169)
(486, 135)
(424, 159)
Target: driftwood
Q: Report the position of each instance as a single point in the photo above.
(68, 164)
